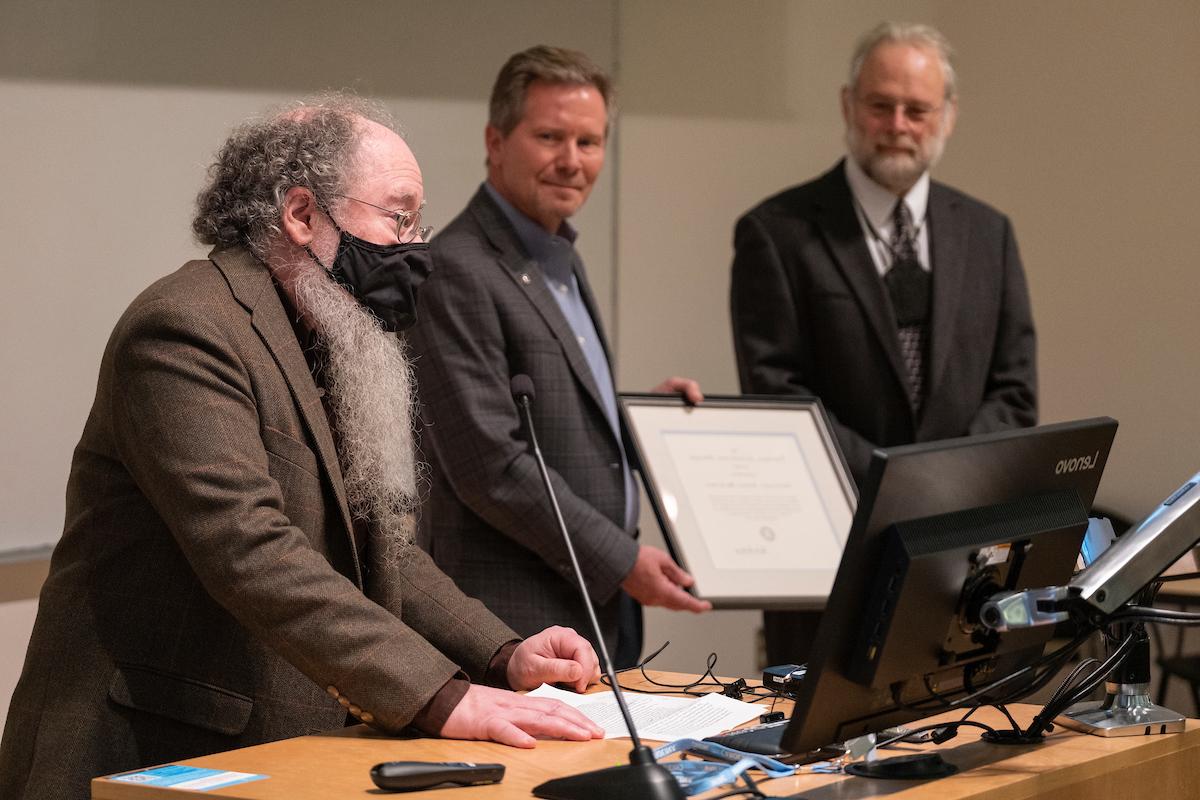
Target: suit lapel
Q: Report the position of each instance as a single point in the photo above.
(844, 237)
(252, 286)
(527, 275)
(947, 251)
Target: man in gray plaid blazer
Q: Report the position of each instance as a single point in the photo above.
(236, 564)
(509, 296)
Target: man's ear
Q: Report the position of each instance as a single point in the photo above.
(847, 99)
(949, 117)
(298, 215)
(492, 139)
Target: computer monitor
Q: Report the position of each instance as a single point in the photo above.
(938, 526)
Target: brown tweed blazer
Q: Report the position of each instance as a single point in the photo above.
(207, 593)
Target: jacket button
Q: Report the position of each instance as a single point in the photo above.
(367, 716)
(344, 701)
(355, 710)
(333, 691)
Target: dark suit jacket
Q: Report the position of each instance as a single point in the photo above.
(484, 316)
(207, 592)
(811, 316)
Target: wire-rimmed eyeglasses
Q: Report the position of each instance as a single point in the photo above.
(408, 223)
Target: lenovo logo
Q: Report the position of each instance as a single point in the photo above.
(1077, 464)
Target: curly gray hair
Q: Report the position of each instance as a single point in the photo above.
(313, 144)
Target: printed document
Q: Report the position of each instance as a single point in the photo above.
(658, 717)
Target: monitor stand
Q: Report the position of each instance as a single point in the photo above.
(1127, 709)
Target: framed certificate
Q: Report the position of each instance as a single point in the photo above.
(752, 494)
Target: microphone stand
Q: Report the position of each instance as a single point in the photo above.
(642, 777)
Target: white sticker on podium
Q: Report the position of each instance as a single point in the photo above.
(196, 779)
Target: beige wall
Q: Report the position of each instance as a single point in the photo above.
(1077, 119)
(111, 110)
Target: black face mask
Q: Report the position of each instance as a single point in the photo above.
(383, 277)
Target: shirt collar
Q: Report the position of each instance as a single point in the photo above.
(876, 202)
(544, 247)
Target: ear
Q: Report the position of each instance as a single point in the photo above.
(493, 140)
(298, 215)
(949, 117)
(847, 101)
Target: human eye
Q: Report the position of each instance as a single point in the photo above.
(880, 108)
(919, 113)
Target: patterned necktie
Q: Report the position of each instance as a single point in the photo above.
(909, 287)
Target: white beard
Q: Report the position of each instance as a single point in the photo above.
(370, 388)
(896, 172)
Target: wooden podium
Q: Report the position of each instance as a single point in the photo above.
(1068, 766)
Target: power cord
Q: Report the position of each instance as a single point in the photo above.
(1068, 694)
(1166, 616)
(707, 683)
(942, 731)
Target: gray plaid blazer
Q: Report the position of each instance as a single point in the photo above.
(207, 592)
(486, 315)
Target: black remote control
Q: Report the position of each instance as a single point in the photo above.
(409, 776)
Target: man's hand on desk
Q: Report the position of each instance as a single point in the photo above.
(502, 716)
(656, 580)
(556, 655)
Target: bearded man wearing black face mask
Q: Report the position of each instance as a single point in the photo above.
(237, 564)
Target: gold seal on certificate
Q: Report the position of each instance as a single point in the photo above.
(752, 494)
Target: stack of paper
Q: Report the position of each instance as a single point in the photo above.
(658, 717)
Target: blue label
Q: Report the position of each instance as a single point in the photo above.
(181, 777)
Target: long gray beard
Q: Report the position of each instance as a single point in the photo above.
(370, 388)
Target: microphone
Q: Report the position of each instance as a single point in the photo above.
(642, 777)
(522, 391)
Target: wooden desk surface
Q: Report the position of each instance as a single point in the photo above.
(1069, 766)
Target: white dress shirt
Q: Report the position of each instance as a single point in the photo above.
(873, 204)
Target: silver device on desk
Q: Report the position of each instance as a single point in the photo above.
(1100, 591)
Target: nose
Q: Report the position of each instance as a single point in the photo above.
(898, 119)
(568, 156)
